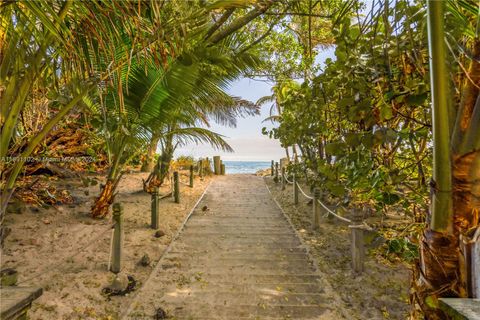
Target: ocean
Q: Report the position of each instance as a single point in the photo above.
(245, 166)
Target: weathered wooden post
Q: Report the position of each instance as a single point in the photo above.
(222, 169)
(276, 172)
(284, 163)
(154, 222)
(357, 245)
(176, 187)
(200, 168)
(317, 193)
(216, 165)
(295, 190)
(191, 176)
(272, 169)
(283, 178)
(117, 238)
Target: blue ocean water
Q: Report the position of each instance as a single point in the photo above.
(245, 166)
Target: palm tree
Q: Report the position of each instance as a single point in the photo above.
(65, 42)
(282, 94)
(214, 68)
(455, 188)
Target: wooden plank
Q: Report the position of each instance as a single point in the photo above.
(16, 299)
(461, 309)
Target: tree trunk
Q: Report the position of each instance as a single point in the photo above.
(162, 166)
(295, 154)
(149, 162)
(107, 193)
(104, 200)
(441, 271)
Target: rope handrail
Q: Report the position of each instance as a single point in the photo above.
(304, 194)
(324, 206)
(286, 179)
(333, 213)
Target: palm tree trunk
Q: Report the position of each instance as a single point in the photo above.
(107, 194)
(441, 272)
(149, 162)
(163, 164)
(436, 272)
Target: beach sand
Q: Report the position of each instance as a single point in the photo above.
(64, 251)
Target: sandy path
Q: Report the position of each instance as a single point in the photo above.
(66, 252)
(237, 257)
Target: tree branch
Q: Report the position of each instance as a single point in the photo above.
(240, 22)
(220, 22)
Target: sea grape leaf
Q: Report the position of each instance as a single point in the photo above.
(416, 99)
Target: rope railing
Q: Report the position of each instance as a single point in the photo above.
(286, 179)
(333, 213)
(304, 194)
(356, 226)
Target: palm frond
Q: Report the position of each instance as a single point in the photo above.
(200, 135)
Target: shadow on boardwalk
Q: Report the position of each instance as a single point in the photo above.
(237, 257)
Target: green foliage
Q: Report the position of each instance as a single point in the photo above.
(403, 249)
(184, 162)
(362, 124)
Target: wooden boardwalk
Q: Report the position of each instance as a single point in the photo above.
(237, 257)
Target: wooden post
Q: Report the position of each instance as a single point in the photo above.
(191, 176)
(276, 172)
(272, 169)
(222, 169)
(116, 265)
(216, 165)
(283, 163)
(154, 222)
(200, 168)
(283, 178)
(295, 190)
(357, 245)
(176, 187)
(316, 208)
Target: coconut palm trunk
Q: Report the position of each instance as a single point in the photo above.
(162, 166)
(149, 162)
(107, 194)
(455, 188)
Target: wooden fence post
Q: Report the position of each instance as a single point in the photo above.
(276, 172)
(317, 193)
(222, 169)
(272, 169)
(116, 265)
(295, 190)
(191, 176)
(176, 187)
(200, 168)
(216, 165)
(357, 245)
(283, 178)
(154, 222)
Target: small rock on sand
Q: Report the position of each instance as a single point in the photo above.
(159, 233)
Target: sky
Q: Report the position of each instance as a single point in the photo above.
(246, 139)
